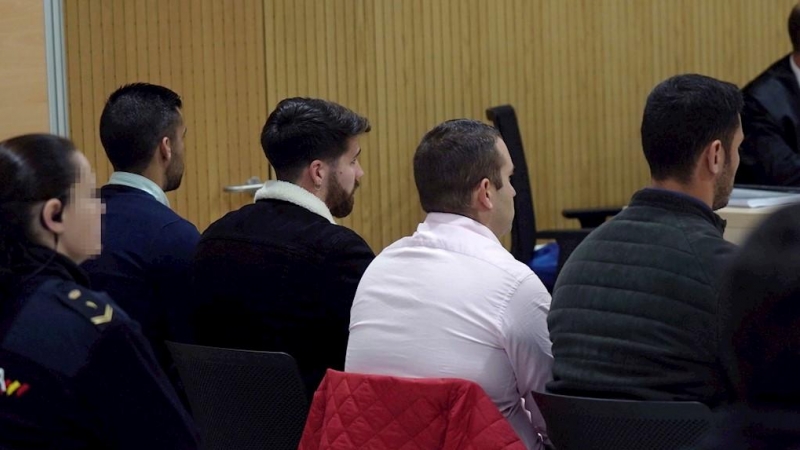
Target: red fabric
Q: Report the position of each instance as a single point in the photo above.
(357, 411)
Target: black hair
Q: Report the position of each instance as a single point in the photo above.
(34, 168)
(301, 130)
(135, 119)
(682, 116)
(794, 27)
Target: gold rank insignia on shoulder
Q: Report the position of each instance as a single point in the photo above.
(89, 305)
(108, 313)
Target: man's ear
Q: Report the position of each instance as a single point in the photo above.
(165, 148)
(483, 195)
(317, 171)
(52, 216)
(714, 157)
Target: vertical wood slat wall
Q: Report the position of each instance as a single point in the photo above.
(577, 72)
(210, 52)
(23, 93)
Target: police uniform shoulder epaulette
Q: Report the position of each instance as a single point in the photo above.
(88, 304)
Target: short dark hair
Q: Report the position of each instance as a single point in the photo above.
(451, 160)
(794, 27)
(34, 168)
(301, 130)
(682, 116)
(135, 119)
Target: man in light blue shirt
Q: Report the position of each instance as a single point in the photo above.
(147, 247)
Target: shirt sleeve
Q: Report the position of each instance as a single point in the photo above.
(527, 342)
(129, 398)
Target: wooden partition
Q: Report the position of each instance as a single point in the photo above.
(211, 52)
(577, 71)
(23, 70)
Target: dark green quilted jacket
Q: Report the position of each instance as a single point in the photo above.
(636, 310)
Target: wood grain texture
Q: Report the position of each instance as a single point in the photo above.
(577, 72)
(212, 53)
(23, 69)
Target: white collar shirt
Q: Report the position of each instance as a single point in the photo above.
(451, 302)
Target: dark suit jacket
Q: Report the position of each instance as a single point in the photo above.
(770, 153)
(144, 266)
(275, 276)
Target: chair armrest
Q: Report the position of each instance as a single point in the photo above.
(591, 217)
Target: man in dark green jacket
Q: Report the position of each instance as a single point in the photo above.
(636, 309)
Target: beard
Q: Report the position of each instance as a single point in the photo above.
(339, 201)
(174, 176)
(723, 187)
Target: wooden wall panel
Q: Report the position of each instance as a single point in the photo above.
(212, 53)
(23, 71)
(577, 71)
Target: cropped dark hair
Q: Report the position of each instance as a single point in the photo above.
(682, 116)
(135, 119)
(301, 130)
(451, 160)
(34, 168)
(794, 27)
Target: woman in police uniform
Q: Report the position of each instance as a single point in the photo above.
(75, 372)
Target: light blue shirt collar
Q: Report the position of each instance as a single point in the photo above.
(139, 182)
(795, 69)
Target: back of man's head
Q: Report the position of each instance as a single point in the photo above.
(794, 27)
(135, 119)
(683, 115)
(450, 162)
(302, 130)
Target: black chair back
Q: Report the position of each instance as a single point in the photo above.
(578, 423)
(243, 399)
(523, 228)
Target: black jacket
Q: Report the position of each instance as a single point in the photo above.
(75, 372)
(275, 276)
(635, 311)
(770, 153)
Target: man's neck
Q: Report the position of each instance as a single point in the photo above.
(796, 58)
(692, 190)
(308, 185)
(155, 175)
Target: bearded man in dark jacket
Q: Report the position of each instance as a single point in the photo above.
(636, 310)
(279, 273)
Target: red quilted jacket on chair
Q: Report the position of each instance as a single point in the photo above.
(357, 411)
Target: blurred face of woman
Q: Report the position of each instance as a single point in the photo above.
(80, 232)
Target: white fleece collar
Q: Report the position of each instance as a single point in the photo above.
(292, 193)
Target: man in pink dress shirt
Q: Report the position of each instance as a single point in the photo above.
(450, 301)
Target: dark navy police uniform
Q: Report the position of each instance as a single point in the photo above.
(75, 372)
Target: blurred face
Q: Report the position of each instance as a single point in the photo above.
(724, 183)
(81, 217)
(176, 166)
(503, 202)
(344, 180)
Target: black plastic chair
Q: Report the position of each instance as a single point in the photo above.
(578, 423)
(523, 232)
(243, 399)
